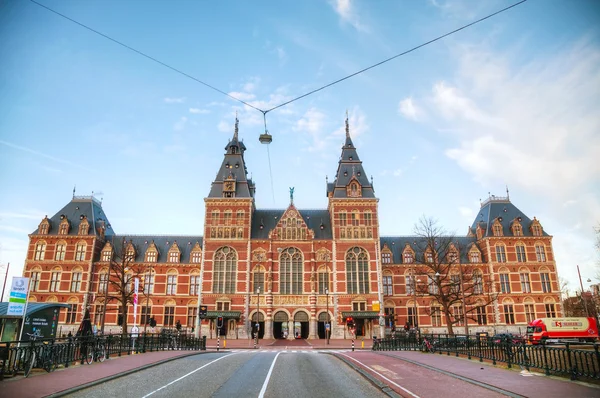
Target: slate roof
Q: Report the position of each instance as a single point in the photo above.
(495, 207)
(350, 166)
(87, 206)
(233, 166)
(396, 245)
(163, 244)
(270, 218)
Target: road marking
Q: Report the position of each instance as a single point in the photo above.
(380, 375)
(186, 375)
(264, 387)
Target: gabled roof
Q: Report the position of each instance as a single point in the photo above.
(494, 208)
(350, 166)
(269, 219)
(86, 206)
(396, 244)
(234, 168)
(162, 242)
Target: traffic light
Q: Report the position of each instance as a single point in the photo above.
(350, 322)
(152, 322)
(220, 322)
(203, 310)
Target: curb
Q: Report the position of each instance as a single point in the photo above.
(118, 375)
(382, 386)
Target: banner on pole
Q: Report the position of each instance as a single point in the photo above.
(136, 283)
(18, 296)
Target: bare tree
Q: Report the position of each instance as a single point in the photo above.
(122, 272)
(451, 282)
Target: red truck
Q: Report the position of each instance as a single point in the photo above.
(544, 329)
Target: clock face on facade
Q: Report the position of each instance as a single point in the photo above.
(229, 185)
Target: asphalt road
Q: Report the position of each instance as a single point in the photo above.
(242, 374)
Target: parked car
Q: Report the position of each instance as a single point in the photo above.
(508, 337)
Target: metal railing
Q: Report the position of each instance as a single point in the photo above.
(51, 353)
(576, 360)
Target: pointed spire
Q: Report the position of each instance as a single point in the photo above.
(235, 133)
(347, 126)
(74, 186)
(507, 194)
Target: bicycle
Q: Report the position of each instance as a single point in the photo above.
(96, 353)
(426, 346)
(27, 355)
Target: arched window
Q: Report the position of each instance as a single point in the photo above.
(40, 250)
(80, 251)
(540, 252)
(225, 269)
(357, 271)
(290, 265)
(61, 249)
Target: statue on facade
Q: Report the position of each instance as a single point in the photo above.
(291, 194)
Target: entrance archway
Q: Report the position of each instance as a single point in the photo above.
(280, 325)
(301, 325)
(260, 326)
(321, 325)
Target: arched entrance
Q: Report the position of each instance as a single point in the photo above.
(258, 324)
(301, 325)
(321, 325)
(280, 325)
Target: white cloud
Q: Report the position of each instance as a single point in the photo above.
(397, 172)
(346, 11)
(311, 124)
(409, 109)
(180, 124)
(199, 111)
(357, 122)
(171, 100)
(225, 127)
(242, 95)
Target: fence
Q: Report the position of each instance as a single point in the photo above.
(576, 360)
(15, 356)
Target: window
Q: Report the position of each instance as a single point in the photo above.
(481, 316)
(497, 230)
(455, 283)
(537, 230)
(80, 252)
(130, 256)
(171, 284)
(359, 306)
(227, 215)
(368, 219)
(546, 285)
(63, 229)
(225, 270)
(169, 316)
(386, 258)
(55, 281)
(44, 226)
(323, 282)
(34, 282)
(474, 257)
(357, 271)
(240, 217)
(71, 313)
(343, 220)
(102, 282)
(40, 251)
(151, 256)
(145, 315)
(550, 311)
(215, 217)
(408, 257)
(258, 281)
(388, 289)
(412, 316)
(505, 283)
(517, 230)
(457, 313)
(410, 284)
(196, 257)
(84, 228)
(432, 284)
(509, 315)
(174, 256)
(194, 285)
(76, 282)
(521, 253)
(436, 317)
(290, 264)
(106, 255)
(191, 316)
(60, 252)
(529, 312)
(500, 254)
(355, 218)
(429, 257)
(477, 282)
(99, 314)
(452, 257)
(525, 284)
(540, 253)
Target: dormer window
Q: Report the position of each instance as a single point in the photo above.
(386, 257)
(63, 228)
(196, 257)
(536, 228)
(84, 227)
(353, 190)
(453, 256)
(474, 256)
(44, 226)
(151, 256)
(130, 254)
(174, 256)
(106, 255)
(409, 256)
(429, 256)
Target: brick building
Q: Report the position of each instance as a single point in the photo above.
(290, 270)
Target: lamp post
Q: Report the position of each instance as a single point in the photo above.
(462, 291)
(106, 283)
(148, 282)
(257, 325)
(414, 291)
(328, 326)
(587, 311)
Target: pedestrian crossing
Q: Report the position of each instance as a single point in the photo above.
(272, 351)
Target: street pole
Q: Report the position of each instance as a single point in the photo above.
(257, 314)
(105, 297)
(4, 284)
(147, 282)
(414, 283)
(581, 295)
(328, 328)
(462, 292)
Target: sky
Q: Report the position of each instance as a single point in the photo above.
(509, 102)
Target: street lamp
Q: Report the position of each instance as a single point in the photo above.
(148, 282)
(328, 326)
(414, 291)
(257, 325)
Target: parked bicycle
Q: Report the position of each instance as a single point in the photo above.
(96, 352)
(29, 357)
(426, 346)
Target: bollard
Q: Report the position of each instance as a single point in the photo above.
(352, 344)
(224, 343)
(363, 344)
(218, 343)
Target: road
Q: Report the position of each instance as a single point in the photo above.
(242, 374)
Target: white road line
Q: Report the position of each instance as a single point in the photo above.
(380, 375)
(186, 375)
(264, 387)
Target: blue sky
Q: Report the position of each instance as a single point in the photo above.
(510, 102)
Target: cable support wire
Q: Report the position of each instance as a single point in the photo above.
(264, 112)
